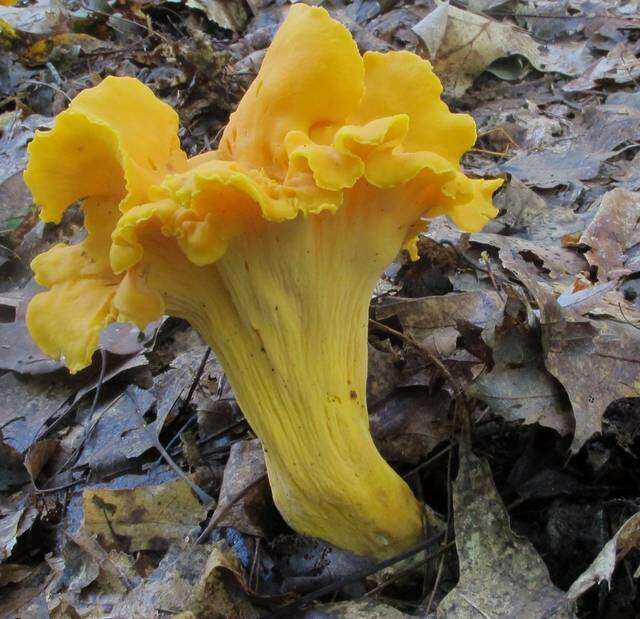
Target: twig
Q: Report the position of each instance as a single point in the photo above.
(225, 510)
(431, 460)
(625, 318)
(446, 533)
(130, 21)
(196, 379)
(494, 153)
(254, 565)
(52, 86)
(187, 401)
(185, 426)
(502, 130)
(62, 487)
(468, 601)
(200, 493)
(424, 351)
(94, 403)
(287, 611)
(412, 568)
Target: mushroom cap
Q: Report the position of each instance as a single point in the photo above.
(318, 124)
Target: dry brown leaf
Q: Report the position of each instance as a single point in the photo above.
(229, 14)
(596, 361)
(245, 466)
(432, 321)
(38, 455)
(620, 66)
(462, 45)
(408, 425)
(518, 387)
(614, 229)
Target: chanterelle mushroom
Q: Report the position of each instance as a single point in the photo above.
(270, 247)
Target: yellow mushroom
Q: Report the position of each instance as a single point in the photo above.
(269, 246)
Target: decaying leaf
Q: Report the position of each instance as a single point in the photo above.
(620, 65)
(552, 168)
(408, 425)
(523, 208)
(244, 468)
(596, 361)
(558, 262)
(145, 517)
(462, 45)
(431, 321)
(518, 387)
(12, 526)
(614, 229)
(627, 538)
(501, 575)
(196, 580)
(356, 609)
(229, 14)
(36, 19)
(217, 594)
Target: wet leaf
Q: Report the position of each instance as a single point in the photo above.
(144, 517)
(117, 431)
(501, 574)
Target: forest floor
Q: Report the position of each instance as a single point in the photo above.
(529, 330)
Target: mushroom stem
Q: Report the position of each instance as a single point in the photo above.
(286, 312)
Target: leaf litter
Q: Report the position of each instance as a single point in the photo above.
(110, 480)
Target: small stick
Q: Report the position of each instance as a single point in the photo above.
(225, 510)
(286, 611)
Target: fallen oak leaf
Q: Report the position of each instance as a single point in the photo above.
(577, 349)
(613, 230)
(462, 45)
(601, 569)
